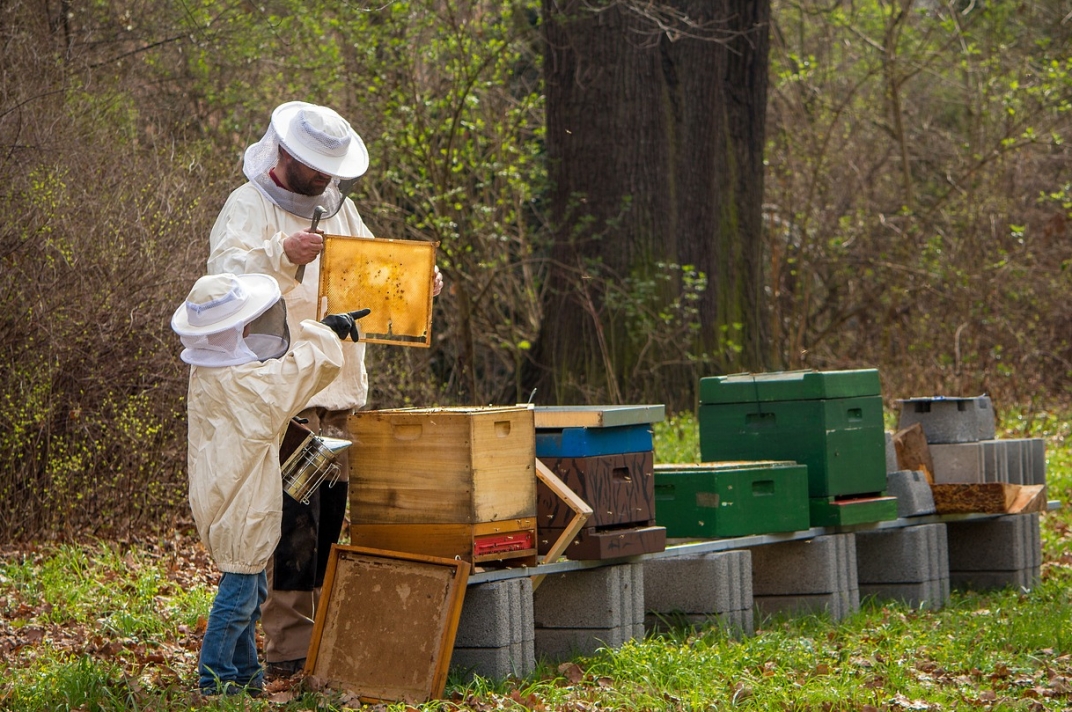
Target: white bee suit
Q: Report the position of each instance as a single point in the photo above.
(237, 417)
(248, 238)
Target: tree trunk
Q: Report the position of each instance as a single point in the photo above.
(655, 146)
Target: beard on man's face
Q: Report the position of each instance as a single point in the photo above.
(304, 180)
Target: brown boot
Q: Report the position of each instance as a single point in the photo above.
(284, 668)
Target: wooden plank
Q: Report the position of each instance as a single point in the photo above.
(578, 505)
(912, 451)
(977, 497)
(386, 624)
(597, 416)
(1031, 498)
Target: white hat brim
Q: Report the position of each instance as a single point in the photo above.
(262, 292)
(351, 165)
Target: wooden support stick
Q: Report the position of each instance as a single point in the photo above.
(581, 514)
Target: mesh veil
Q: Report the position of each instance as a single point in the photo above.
(261, 157)
(269, 337)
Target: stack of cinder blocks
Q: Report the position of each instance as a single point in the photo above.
(960, 432)
(995, 553)
(908, 564)
(706, 589)
(810, 576)
(579, 612)
(961, 438)
(496, 636)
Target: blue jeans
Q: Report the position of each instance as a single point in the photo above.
(229, 649)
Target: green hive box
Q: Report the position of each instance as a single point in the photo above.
(838, 513)
(725, 499)
(830, 421)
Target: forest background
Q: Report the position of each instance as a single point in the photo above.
(916, 198)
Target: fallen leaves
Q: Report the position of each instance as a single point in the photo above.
(32, 627)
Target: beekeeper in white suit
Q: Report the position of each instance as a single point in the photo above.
(305, 159)
(246, 383)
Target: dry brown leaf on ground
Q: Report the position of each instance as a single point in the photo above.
(572, 672)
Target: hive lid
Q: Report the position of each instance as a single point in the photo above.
(789, 385)
(393, 278)
(597, 416)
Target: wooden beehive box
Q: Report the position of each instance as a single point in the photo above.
(442, 465)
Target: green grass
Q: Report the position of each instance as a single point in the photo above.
(677, 440)
(106, 627)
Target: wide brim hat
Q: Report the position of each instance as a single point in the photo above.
(321, 139)
(219, 302)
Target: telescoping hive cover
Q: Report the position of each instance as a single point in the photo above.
(393, 278)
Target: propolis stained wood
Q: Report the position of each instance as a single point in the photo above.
(442, 465)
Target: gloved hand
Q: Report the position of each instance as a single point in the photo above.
(345, 324)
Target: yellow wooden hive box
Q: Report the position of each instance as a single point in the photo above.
(460, 465)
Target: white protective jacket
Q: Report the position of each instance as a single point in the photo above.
(237, 417)
(248, 237)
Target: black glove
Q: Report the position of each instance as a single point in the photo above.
(345, 324)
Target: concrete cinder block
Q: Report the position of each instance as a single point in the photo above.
(950, 420)
(908, 555)
(496, 614)
(1026, 460)
(821, 565)
(516, 660)
(608, 597)
(1037, 447)
(563, 643)
(837, 605)
(1014, 461)
(910, 565)
(913, 493)
(1008, 543)
(932, 594)
(995, 553)
(705, 585)
(995, 460)
(736, 623)
(1024, 579)
(891, 454)
(739, 623)
(983, 461)
(958, 462)
(810, 576)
